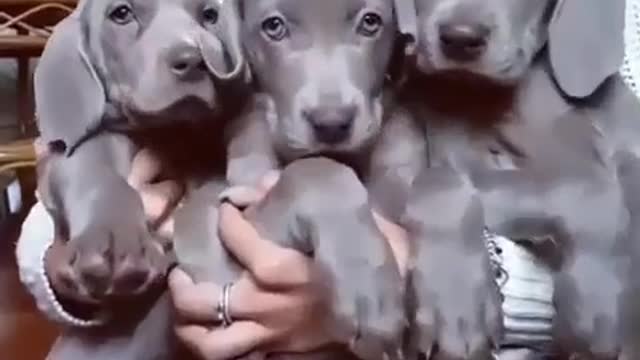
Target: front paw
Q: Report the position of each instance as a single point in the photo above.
(110, 260)
(588, 296)
(379, 314)
(458, 311)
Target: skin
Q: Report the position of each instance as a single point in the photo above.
(276, 302)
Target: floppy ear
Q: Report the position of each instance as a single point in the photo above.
(69, 95)
(230, 36)
(586, 43)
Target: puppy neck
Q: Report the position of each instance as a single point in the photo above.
(477, 101)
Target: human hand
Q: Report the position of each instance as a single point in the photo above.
(279, 303)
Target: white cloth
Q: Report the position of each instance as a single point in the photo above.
(35, 239)
(526, 284)
(631, 68)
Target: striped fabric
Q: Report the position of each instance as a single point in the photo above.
(631, 68)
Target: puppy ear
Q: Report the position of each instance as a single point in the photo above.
(586, 43)
(69, 95)
(234, 67)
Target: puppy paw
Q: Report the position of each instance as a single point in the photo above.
(588, 319)
(108, 260)
(376, 311)
(458, 313)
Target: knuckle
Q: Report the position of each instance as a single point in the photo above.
(275, 268)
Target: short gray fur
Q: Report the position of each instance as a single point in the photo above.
(556, 160)
(321, 91)
(117, 66)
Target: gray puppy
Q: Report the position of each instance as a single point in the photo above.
(320, 68)
(156, 74)
(117, 66)
(530, 133)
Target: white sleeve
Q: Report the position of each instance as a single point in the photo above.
(526, 284)
(630, 69)
(35, 239)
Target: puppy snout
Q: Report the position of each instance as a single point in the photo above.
(463, 41)
(331, 124)
(186, 62)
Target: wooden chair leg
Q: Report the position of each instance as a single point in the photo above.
(25, 106)
(26, 177)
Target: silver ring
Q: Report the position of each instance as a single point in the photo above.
(224, 312)
(220, 310)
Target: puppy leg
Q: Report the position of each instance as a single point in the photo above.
(456, 297)
(150, 339)
(196, 242)
(112, 253)
(629, 175)
(250, 153)
(320, 207)
(591, 288)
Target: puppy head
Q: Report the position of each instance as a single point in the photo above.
(162, 57)
(496, 39)
(324, 64)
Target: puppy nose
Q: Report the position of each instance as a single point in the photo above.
(331, 124)
(464, 42)
(186, 62)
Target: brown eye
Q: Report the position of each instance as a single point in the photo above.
(370, 24)
(210, 15)
(275, 28)
(122, 14)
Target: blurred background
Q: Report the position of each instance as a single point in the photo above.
(24, 27)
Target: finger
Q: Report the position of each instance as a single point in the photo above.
(397, 239)
(165, 228)
(220, 344)
(270, 265)
(197, 302)
(144, 167)
(160, 199)
(249, 302)
(193, 302)
(269, 180)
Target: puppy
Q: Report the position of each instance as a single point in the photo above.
(152, 72)
(320, 69)
(115, 76)
(524, 117)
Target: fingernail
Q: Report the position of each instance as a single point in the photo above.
(178, 277)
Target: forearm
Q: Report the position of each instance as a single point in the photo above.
(35, 239)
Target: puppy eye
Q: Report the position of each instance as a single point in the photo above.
(210, 15)
(370, 24)
(122, 14)
(275, 28)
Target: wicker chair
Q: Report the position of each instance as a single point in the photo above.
(17, 155)
(25, 26)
